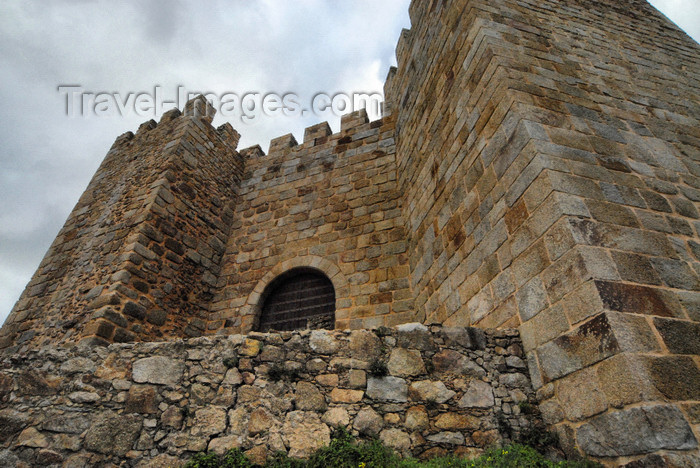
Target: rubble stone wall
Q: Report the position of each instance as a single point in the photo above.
(446, 390)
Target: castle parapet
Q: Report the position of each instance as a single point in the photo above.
(320, 130)
(254, 151)
(282, 144)
(353, 120)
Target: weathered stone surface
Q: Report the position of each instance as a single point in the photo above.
(78, 364)
(364, 344)
(261, 420)
(387, 389)
(368, 422)
(478, 394)
(452, 362)
(580, 395)
(30, 437)
(160, 461)
(8, 459)
(588, 344)
(158, 370)
(328, 380)
(304, 433)
(485, 438)
(322, 342)
(6, 385)
(448, 438)
(37, 383)
(308, 398)
(357, 378)
(416, 418)
(637, 430)
(141, 399)
(427, 390)
(527, 172)
(342, 395)
(336, 417)
(396, 439)
(84, 397)
(454, 421)
(11, 422)
(172, 417)
(209, 421)
(232, 377)
(66, 423)
(468, 337)
(238, 421)
(72, 443)
(675, 377)
(257, 455)
(250, 348)
(202, 394)
(513, 380)
(551, 411)
(516, 362)
(221, 445)
(113, 434)
(679, 335)
(415, 336)
(46, 457)
(405, 362)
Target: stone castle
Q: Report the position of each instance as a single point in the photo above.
(537, 168)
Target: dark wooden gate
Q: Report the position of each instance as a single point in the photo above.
(296, 297)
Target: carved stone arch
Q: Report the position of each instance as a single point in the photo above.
(253, 307)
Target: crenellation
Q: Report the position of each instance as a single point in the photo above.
(282, 144)
(254, 151)
(354, 119)
(199, 108)
(122, 139)
(146, 126)
(229, 135)
(318, 131)
(403, 48)
(172, 114)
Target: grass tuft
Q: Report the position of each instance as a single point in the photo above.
(345, 452)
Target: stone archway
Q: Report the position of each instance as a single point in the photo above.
(251, 311)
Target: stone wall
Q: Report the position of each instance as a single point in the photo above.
(537, 167)
(549, 153)
(446, 390)
(331, 203)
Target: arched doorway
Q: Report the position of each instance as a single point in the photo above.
(295, 298)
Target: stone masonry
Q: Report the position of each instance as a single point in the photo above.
(331, 203)
(549, 153)
(537, 167)
(156, 404)
(145, 239)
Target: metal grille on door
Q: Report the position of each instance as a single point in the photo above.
(295, 298)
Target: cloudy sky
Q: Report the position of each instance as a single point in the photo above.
(267, 46)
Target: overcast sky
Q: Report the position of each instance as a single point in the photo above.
(267, 46)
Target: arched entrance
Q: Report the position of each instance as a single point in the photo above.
(297, 298)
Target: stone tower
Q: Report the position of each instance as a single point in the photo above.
(145, 239)
(549, 153)
(536, 168)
